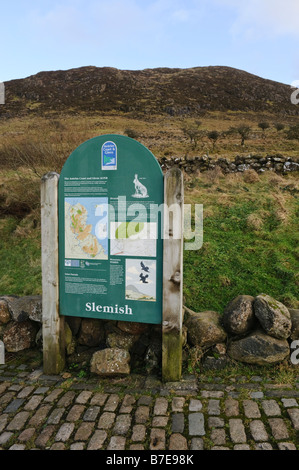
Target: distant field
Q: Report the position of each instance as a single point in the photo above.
(48, 141)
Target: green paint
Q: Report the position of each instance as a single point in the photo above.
(117, 277)
(128, 229)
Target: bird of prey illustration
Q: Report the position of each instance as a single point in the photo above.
(144, 268)
(143, 278)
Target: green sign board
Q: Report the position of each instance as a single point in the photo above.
(110, 242)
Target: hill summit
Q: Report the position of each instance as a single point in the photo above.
(174, 92)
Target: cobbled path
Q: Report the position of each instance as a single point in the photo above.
(140, 413)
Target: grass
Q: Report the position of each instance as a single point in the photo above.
(250, 242)
(20, 270)
(250, 221)
(52, 138)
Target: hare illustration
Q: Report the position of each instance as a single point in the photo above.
(140, 189)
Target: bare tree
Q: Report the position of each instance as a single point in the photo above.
(192, 132)
(243, 131)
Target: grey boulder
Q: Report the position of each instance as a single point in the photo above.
(204, 328)
(238, 317)
(259, 348)
(295, 324)
(110, 363)
(273, 316)
(20, 336)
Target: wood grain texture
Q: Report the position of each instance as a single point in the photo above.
(53, 324)
(173, 276)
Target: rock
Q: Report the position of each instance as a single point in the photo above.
(35, 308)
(74, 324)
(110, 363)
(4, 312)
(220, 349)
(153, 357)
(184, 335)
(91, 332)
(39, 338)
(259, 348)
(273, 316)
(2, 329)
(238, 317)
(215, 363)
(204, 328)
(82, 356)
(132, 328)
(121, 340)
(291, 166)
(20, 336)
(23, 308)
(295, 324)
(70, 343)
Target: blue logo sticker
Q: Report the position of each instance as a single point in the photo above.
(109, 156)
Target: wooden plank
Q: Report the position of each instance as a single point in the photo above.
(53, 324)
(173, 276)
(2, 353)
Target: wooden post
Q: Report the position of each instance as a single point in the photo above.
(53, 324)
(2, 353)
(173, 276)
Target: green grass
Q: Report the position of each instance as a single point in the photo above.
(20, 268)
(250, 242)
(239, 257)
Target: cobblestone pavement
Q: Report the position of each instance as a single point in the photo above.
(140, 413)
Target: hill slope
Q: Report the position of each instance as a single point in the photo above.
(151, 91)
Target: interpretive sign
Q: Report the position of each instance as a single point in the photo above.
(110, 194)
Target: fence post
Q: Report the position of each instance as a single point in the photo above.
(2, 353)
(173, 276)
(53, 324)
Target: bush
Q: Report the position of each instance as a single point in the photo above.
(131, 133)
(293, 132)
(264, 126)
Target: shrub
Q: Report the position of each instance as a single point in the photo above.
(131, 133)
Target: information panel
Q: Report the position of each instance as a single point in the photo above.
(110, 244)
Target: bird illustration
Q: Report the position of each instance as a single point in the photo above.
(143, 278)
(144, 268)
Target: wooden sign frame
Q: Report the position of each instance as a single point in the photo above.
(172, 321)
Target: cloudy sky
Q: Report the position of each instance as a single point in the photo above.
(259, 36)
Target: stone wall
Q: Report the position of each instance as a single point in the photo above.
(21, 329)
(251, 330)
(277, 163)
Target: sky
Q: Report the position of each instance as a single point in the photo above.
(258, 36)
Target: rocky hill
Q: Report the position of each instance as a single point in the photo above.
(162, 90)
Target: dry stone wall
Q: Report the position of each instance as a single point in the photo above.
(277, 163)
(254, 330)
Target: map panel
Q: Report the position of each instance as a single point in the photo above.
(86, 228)
(133, 239)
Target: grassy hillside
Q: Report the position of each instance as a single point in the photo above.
(163, 91)
(250, 238)
(250, 221)
(47, 141)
